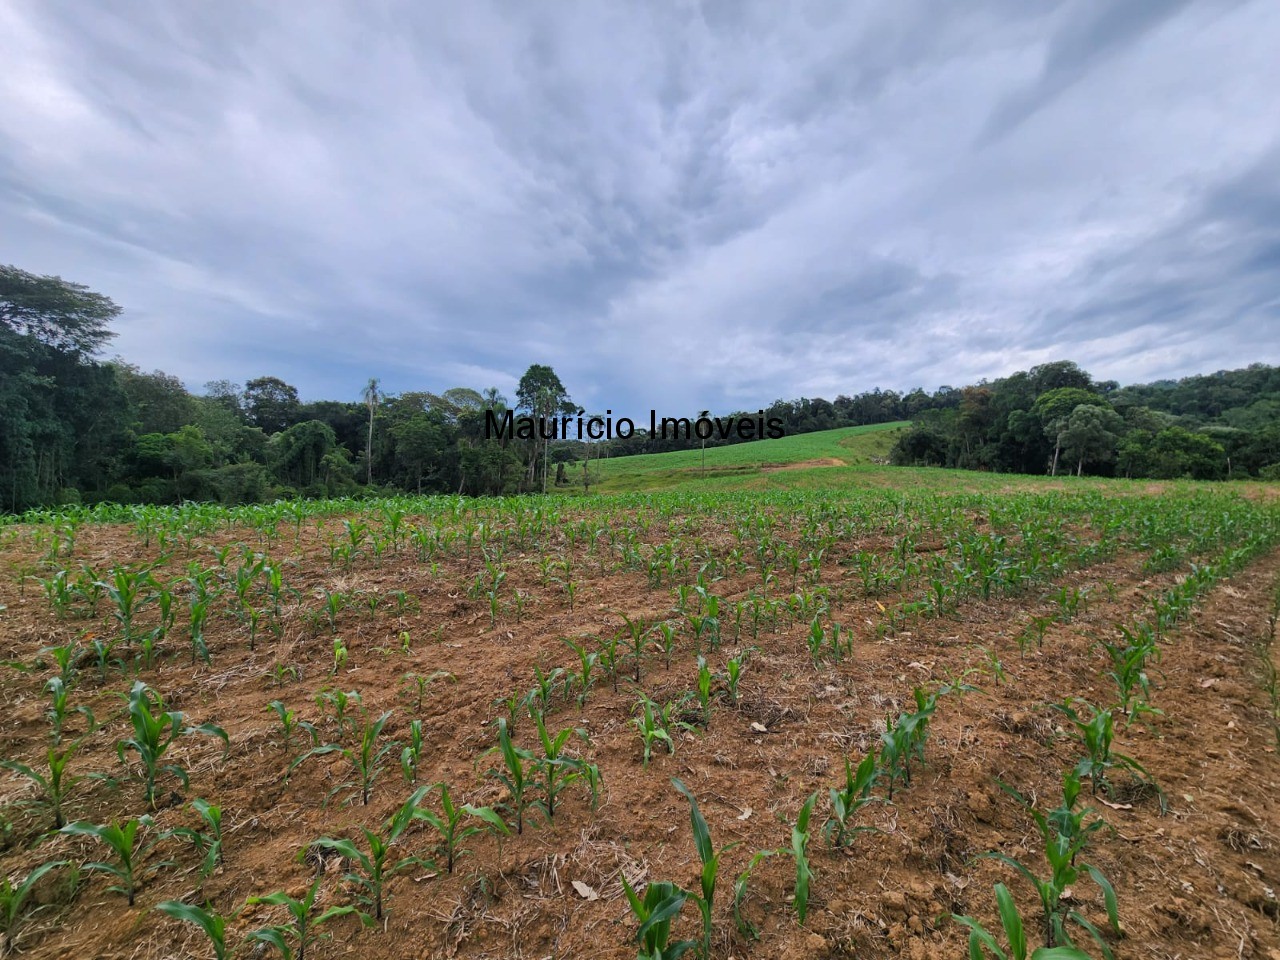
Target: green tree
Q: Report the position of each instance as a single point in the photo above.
(271, 404)
(1054, 407)
(160, 402)
(1176, 452)
(541, 394)
(1090, 435)
(65, 316)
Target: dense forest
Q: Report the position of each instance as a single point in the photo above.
(74, 427)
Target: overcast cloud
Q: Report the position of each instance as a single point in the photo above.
(676, 205)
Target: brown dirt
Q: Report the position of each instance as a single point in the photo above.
(1197, 882)
(802, 465)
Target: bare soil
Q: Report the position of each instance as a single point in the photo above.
(1196, 882)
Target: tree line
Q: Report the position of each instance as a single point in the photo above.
(1055, 419)
(76, 428)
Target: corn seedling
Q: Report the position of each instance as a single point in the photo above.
(412, 753)
(211, 923)
(129, 867)
(994, 666)
(290, 724)
(340, 655)
(60, 706)
(608, 657)
(515, 775)
(339, 703)
(55, 786)
(449, 823)
(587, 662)
(127, 590)
(704, 691)
(540, 696)
(635, 633)
(1060, 852)
(366, 759)
(652, 730)
(1066, 819)
(154, 731)
(981, 940)
(662, 903)
(1129, 672)
(849, 799)
(559, 771)
(710, 858)
(15, 906)
(65, 656)
(418, 684)
(375, 867)
(746, 928)
(1096, 734)
(800, 854)
(207, 842)
(301, 928)
(732, 675)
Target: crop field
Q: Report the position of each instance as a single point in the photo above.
(841, 711)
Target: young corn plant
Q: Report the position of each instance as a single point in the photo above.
(207, 842)
(662, 903)
(1068, 820)
(982, 940)
(1095, 730)
(376, 868)
(55, 786)
(710, 858)
(1129, 672)
(366, 758)
(339, 703)
(849, 799)
(16, 908)
(587, 662)
(340, 656)
(154, 731)
(129, 866)
(732, 675)
(704, 692)
(209, 922)
(635, 631)
(518, 764)
(560, 771)
(418, 684)
(652, 730)
(800, 854)
(303, 921)
(129, 591)
(290, 725)
(608, 657)
(665, 641)
(451, 823)
(60, 707)
(1060, 852)
(66, 656)
(541, 695)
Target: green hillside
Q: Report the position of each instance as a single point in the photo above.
(826, 449)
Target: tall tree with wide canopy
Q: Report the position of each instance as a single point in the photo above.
(542, 395)
(65, 316)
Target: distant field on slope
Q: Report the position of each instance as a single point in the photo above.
(847, 446)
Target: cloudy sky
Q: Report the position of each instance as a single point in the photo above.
(676, 205)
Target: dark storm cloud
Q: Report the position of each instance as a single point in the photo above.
(676, 205)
